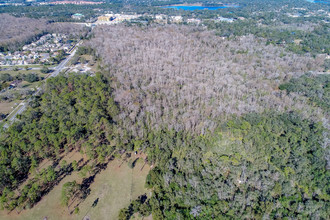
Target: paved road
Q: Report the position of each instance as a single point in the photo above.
(19, 109)
(60, 67)
(22, 106)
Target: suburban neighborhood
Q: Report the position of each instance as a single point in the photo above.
(42, 51)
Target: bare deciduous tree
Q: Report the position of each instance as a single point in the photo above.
(185, 77)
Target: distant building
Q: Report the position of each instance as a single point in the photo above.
(71, 2)
(123, 17)
(77, 16)
(160, 17)
(44, 56)
(104, 18)
(193, 21)
(222, 19)
(116, 18)
(176, 19)
(294, 15)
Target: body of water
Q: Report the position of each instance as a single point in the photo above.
(315, 1)
(192, 8)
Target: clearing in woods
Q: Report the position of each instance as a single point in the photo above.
(7, 107)
(112, 188)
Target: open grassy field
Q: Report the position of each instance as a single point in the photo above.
(24, 71)
(114, 187)
(7, 107)
(89, 65)
(26, 84)
(19, 93)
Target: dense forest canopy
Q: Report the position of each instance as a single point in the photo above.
(232, 117)
(282, 22)
(257, 166)
(251, 8)
(186, 77)
(75, 112)
(15, 30)
(171, 82)
(316, 88)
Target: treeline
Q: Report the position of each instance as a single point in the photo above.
(83, 51)
(30, 77)
(315, 41)
(179, 89)
(245, 8)
(15, 32)
(268, 165)
(185, 77)
(57, 13)
(63, 13)
(267, 19)
(315, 87)
(257, 166)
(75, 112)
(198, 106)
(19, 31)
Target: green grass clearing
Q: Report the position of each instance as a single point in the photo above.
(15, 73)
(14, 111)
(114, 187)
(26, 84)
(7, 107)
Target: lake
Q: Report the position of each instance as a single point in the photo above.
(195, 7)
(316, 1)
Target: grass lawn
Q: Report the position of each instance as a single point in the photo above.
(26, 84)
(114, 187)
(2, 123)
(6, 107)
(21, 66)
(15, 73)
(92, 64)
